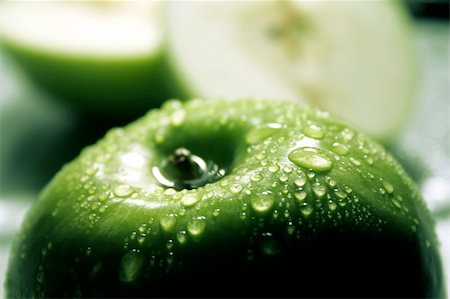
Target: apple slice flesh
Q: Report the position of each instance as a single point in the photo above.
(355, 60)
(102, 56)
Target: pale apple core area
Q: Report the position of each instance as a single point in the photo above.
(353, 59)
(91, 28)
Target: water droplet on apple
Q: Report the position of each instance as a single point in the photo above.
(256, 177)
(340, 194)
(168, 222)
(319, 190)
(287, 169)
(236, 188)
(300, 182)
(91, 170)
(300, 196)
(396, 201)
(273, 168)
(354, 161)
(197, 226)
(368, 160)
(291, 228)
(40, 277)
(330, 182)
(306, 209)
(123, 191)
(311, 158)
(216, 212)
(332, 206)
(314, 131)
(283, 178)
(189, 199)
(131, 266)
(388, 187)
(262, 132)
(340, 149)
(261, 155)
(177, 117)
(181, 237)
(348, 189)
(263, 202)
(270, 247)
(347, 134)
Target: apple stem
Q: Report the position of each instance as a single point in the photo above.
(184, 170)
(188, 164)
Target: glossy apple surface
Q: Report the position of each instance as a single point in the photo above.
(220, 198)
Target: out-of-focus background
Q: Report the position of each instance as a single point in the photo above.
(39, 133)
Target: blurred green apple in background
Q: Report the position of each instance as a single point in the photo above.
(229, 198)
(105, 57)
(353, 59)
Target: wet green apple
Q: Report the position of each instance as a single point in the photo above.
(104, 57)
(229, 198)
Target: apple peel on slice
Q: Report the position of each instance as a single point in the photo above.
(101, 56)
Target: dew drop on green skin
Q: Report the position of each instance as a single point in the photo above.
(177, 118)
(273, 168)
(168, 222)
(123, 191)
(306, 209)
(256, 177)
(314, 131)
(283, 178)
(319, 190)
(196, 226)
(189, 200)
(340, 149)
(340, 194)
(300, 196)
(299, 182)
(131, 266)
(270, 247)
(332, 206)
(263, 202)
(262, 132)
(388, 187)
(311, 158)
(236, 188)
(182, 237)
(355, 161)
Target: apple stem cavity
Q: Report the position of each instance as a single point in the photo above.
(184, 170)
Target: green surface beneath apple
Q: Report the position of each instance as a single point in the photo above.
(295, 204)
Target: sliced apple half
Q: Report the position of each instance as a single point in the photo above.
(353, 59)
(104, 56)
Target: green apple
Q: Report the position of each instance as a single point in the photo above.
(353, 59)
(229, 198)
(105, 57)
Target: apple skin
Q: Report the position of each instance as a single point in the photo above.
(106, 86)
(306, 208)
